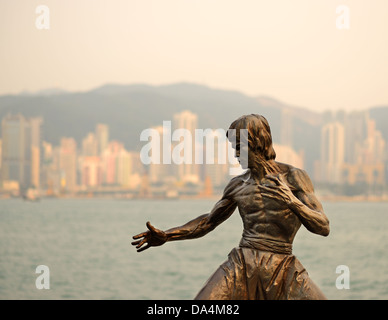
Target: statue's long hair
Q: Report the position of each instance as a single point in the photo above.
(259, 140)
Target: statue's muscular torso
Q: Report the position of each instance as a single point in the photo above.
(264, 217)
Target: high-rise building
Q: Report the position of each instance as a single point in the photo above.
(124, 167)
(49, 168)
(332, 152)
(68, 164)
(102, 136)
(286, 154)
(137, 165)
(118, 165)
(91, 171)
(1, 150)
(137, 170)
(14, 158)
(355, 125)
(373, 151)
(109, 162)
(369, 157)
(186, 122)
(216, 159)
(35, 141)
(21, 150)
(352, 151)
(90, 145)
(158, 171)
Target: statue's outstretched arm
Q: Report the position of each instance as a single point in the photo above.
(193, 229)
(203, 224)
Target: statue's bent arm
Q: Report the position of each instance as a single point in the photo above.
(306, 205)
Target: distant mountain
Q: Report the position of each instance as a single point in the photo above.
(129, 109)
(308, 116)
(44, 92)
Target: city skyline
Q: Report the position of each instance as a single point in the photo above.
(353, 152)
(349, 155)
(78, 165)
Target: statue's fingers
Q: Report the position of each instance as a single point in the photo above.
(266, 194)
(269, 195)
(274, 179)
(135, 243)
(141, 243)
(270, 192)
(268, 188)
(140, 235)
(274, 189)
(144, 248)
(150, 226)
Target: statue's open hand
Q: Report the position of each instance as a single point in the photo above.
(154, 237)
(277, 189)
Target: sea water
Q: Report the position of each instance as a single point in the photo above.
(86, 245)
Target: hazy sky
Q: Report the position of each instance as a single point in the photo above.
(288, 49)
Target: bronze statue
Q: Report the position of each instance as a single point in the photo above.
(274, 199)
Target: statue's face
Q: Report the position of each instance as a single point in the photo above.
(243, 154)
(244, 134)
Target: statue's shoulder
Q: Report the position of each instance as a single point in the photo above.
(297, 178)
(234, 184)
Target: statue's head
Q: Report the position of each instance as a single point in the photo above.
(259, 139)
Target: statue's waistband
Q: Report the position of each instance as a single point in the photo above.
(266, 245)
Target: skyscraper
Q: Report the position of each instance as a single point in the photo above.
(109, 162)
(288, 155)
(90, 145)
(68, 164)
(124, 167)
(13, 153)
(158, 171)
(374, 145)
(1, 157)
(216, 166)
(356, 124)
(21, 150)
(332, 152)
(188, 170)
(91, 171)
(102, 136)
(35, 141)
